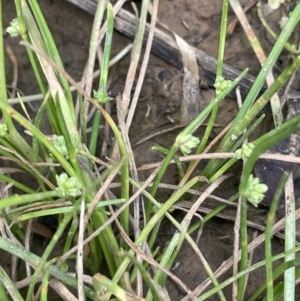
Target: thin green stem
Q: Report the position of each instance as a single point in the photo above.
(247, 134)
(32, 57)
(223, 169)
(95, 133)
(16, 183)
(151, 284)
(45, 280)
(290, 241)
(94, 42)
(268, 244)
(244, 249)
(69, 240)
(107, 49)
(82, 119)
(56, 90)
(54, 211)
(202, 144)
(178, 163)
(37, 124)
(220, 61)
(230, 162)
(62, 225)
(3, 92)
(15, 200)
(222, 38)
(72, 150)
(108, 242)
(17, 139)
(3, 293)
(10, 287)
(51, 49)
(125, 169)
(154, 234)
(101, 95)
(97, 254)
(34, 260)
(35, 141)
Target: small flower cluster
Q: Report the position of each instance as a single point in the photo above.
(244, 152)
(221, 84)
(14, 29)
(187, 142)
(68, 186)
(101, 96)
(59, 143)
(255, 191)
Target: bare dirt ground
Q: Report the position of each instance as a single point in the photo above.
(198, 23)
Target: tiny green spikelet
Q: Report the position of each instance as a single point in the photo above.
(101, 96)
(14, 29)
(187, 143)
(221, 84)
(68, 186)
(59, 143)
(244, 152)
(255, 191)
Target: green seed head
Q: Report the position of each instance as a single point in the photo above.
(255, 191)
(187, 143)
(101, 96)
(221, 84)
(68, 186)
(14, 30)
(59, 143)
(244, 152)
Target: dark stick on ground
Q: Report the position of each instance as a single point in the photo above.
(165, 47)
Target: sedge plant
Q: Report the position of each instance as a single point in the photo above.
(70, 187)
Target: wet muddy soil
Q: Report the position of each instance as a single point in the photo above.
(198, 23)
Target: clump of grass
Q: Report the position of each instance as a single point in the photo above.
(80, 196)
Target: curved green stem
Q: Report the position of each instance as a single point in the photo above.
(263, 144)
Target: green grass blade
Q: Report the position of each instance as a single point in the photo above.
(10, 287)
